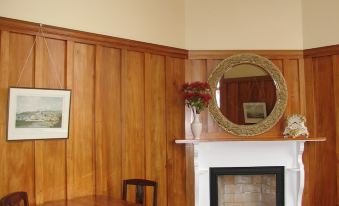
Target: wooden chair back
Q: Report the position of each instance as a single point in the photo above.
(15, 199)
(140, 189)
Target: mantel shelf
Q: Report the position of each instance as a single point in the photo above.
(217, 137)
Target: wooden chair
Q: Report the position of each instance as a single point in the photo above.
(140, 189)
(14, 199)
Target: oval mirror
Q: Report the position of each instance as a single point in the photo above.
(249, 94)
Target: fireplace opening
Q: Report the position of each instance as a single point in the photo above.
(247, 186)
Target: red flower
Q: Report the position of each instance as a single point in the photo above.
(197, 95)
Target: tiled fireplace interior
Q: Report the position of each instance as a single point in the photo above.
(247, 186)
(247, 190)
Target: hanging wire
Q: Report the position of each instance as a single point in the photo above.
(23, 67)
(49, 55)
(51, 58)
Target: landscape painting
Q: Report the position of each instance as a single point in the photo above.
(254, 112)
(38, 113)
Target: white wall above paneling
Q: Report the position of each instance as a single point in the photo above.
(193, 24)
(320, 23)
(152, 21)
(243, 24)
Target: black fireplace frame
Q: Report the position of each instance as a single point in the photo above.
(279, 171)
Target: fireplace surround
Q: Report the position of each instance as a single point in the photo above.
(213, 151)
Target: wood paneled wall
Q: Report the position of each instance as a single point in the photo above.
(125, 114)
(322, 104)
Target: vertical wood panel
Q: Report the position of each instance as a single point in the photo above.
(82, 173)
(50, 183)
(155, 125)
(291, 74)
(20, 165)
(321, 159)
(133, 124)
(175, 70)
(302, 87)
(309, 154)
(108, 125)
(4, 67)
(325, 116)
(335, 59)
(70, 190)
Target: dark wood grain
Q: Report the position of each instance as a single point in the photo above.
(321, 160)
(325, 117)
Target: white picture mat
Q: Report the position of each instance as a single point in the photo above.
(260, 105)
(14, 133)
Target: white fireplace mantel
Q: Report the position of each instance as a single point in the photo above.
(249, 152)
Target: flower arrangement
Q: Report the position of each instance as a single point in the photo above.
(197, 95)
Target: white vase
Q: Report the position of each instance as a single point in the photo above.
(196, 125)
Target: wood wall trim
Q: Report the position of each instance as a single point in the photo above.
(222, 54)
(13, 25)
(322, 51)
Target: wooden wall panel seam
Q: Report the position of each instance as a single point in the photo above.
(335, 60)
(69, 150)
(144, 117)
(302, 90)
(94, 118)
(123, 68)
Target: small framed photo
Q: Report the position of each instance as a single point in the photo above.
(254, 112)
(38, 113)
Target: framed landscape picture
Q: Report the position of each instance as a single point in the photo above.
(254, 112)
(38, 113)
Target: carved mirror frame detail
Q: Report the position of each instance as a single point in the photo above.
(281, 95)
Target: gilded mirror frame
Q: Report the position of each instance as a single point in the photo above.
(281, 95)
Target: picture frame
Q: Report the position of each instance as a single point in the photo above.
(254, 112)
(38, 113)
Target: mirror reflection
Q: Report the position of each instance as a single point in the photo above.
(246, 94)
